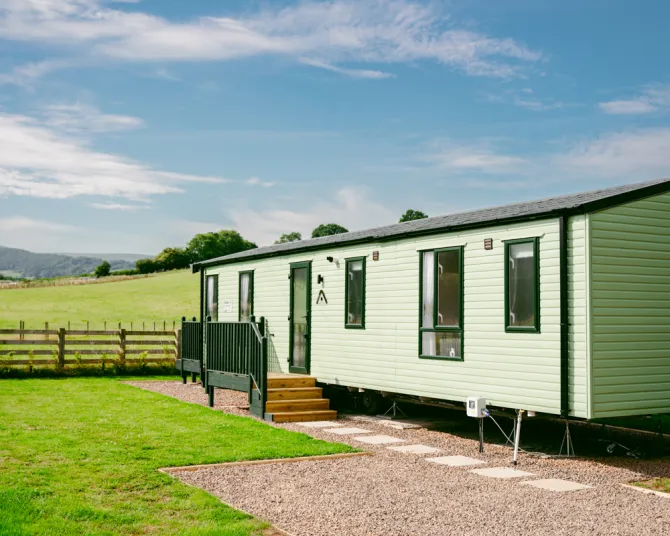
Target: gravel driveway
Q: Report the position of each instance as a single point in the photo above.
(393, 493)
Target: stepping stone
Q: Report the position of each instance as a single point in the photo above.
(501, 472)
(379, 439)
(456, 461)
(556, 484)
(319, 424)
(347, 431)
(415, 449)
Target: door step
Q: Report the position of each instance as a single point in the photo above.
(304, 416)
(306, 404)
(295, 398)
(294, 393)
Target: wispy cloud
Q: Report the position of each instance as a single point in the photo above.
(353, 207)
(26, 75)
(651, 99)
(354, 73)
(527, 99)
(38, 160)
(21, 223)
(79, 117)
(337, 32)
(255, 181)
(118, 206)
(477, 157)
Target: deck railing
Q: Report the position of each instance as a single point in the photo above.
(190, 348)
(236, 357)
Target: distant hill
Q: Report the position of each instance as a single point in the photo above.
(37, 265)
(128, 257)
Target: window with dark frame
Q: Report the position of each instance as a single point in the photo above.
(354, 309)
(441, 322)
(246, 296)
(212, 297)
(522, 285)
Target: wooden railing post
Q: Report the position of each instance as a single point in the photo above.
(61, 348)
(177, 343)
(122, 346)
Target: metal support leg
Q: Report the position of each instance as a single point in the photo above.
(183, 378)
(567, 441)
(395, 409)
(481, 435)
(517, 436)
(193, 377)
(211, 396)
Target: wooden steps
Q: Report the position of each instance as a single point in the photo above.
(295, 398)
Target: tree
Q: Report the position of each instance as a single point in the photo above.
(172, 259)
(411, 215)
(206, 246)
(103, 269)
(327, 229)
(146, 266)
(289, 237)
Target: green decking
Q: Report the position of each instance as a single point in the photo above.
(630, 308)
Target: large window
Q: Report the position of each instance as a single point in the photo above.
(246, 305)
(355, 294)
(441, 322)
(212, 297)
(522, 285)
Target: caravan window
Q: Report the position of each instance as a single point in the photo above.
(212, 297)
(522, 286)
(354, 291)
(441, 322)
(246, 304)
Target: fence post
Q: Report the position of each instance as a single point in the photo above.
(61, 348)
(122, 346)
(22, 326)
(177, 343)
(46, 328)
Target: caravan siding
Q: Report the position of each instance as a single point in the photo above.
(630, 286)
(513, 370)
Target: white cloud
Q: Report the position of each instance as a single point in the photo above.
(118, 206)
(480, 157)
(26, 75)
(525, 98)
(652, 99)
(634, 155)
(78, 117)
(38, 161)
(354, 73)
(353, 208)
(255, 181)
(362, 31)
(20, 223)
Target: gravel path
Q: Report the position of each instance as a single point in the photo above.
(394, 494)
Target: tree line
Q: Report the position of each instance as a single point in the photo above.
(205, 246)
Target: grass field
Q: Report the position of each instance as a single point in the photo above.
(162, 297)
(81, 456)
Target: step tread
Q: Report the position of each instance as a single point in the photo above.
(296, 389)
(295, 405)
(298, 416)
(307, 412)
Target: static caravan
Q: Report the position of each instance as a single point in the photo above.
(559, 306)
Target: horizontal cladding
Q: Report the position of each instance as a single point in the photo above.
(630, 286)
(514, 370)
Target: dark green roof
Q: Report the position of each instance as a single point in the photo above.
(530, 210)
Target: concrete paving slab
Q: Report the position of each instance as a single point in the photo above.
(501, 472)
(456, 461)
(347, 430)
(556, 484)
(415, 449)
(379, 439)
(319, 424)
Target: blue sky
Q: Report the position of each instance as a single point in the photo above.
(129, 126)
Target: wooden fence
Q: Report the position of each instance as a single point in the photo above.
(118, 346)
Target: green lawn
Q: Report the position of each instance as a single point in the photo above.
(162, 297)
(81, 456)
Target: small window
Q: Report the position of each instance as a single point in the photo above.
(522, 286)
(355, 294)
(441, 323)
(212, 297)
(246, 306)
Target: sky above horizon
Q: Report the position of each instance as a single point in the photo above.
(129, 126)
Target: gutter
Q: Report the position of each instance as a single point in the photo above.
(564, 316)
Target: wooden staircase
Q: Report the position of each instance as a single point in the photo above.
(295, 398)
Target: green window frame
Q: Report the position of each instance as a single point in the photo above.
(511, 324)
(250, 296)
(347, 298)
(431, 330)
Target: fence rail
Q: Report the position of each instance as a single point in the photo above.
(62, 342)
